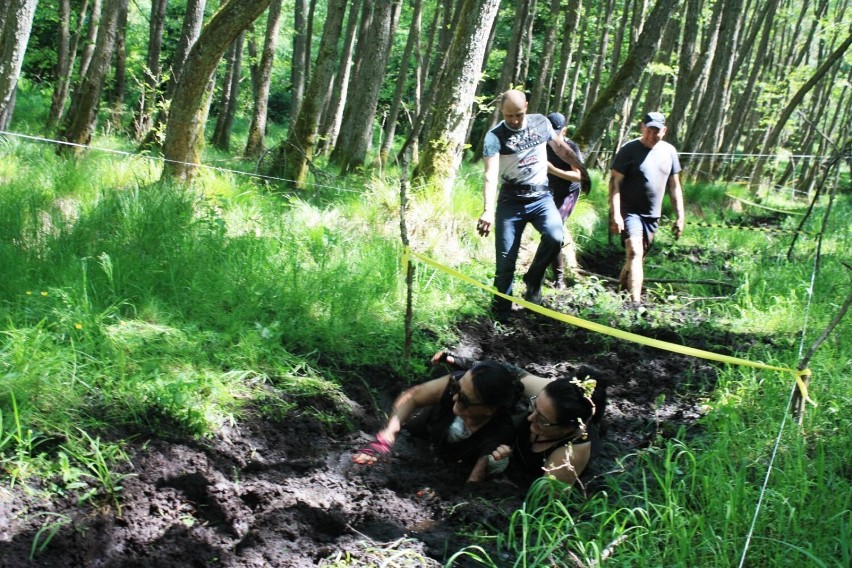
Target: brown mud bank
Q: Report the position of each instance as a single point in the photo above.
(285, 494)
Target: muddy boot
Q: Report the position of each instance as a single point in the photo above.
(570, 265)
(558, 266)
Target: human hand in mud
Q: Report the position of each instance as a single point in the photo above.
(501, 453)
(374, 451)
(452, 360)
(677, 228)
(484, 224)
(616, 224)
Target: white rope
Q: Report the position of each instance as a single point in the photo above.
(191, 164)
(784, 421)
(731, 155)
(162, 159)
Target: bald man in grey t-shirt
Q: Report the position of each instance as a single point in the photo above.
(641, 173)
(515, 160)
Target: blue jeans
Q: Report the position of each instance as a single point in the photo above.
(510, 219)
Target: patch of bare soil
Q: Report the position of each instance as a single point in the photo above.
(285, 494)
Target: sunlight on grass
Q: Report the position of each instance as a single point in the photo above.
(163, 310)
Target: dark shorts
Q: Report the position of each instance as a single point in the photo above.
(639, 225)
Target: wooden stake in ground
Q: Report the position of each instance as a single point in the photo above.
(409, 267)
(798, 403)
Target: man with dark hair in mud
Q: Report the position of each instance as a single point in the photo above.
(642, 171)
(514, 156)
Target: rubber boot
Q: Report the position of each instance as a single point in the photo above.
(570, 265)
(558, 266)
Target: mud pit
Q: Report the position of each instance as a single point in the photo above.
(265, 494)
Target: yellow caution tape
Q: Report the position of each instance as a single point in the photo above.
(611, 331)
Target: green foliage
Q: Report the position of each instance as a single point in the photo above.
(132, 306)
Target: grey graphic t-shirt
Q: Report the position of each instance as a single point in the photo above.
(523, 153)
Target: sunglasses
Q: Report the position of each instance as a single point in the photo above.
(463, 400)
(538, 418)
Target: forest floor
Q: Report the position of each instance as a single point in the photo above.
(286, 494)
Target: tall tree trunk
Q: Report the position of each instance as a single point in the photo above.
(434, 65)
(360, 112)
(445, 33)
(441, 157)
(745, 98)
(591, 129)
(333, 112)
(8, 111)
(297, 69)
(703, 133)
(363, 39)
(221, 138)
(566, 61)
(296, 154)
(254, 59)
(185, 126)
(418, 130)
(193, 18)
(119, 86)
(658, 80)
(604, 24)
(689, 71)
(618, 40)
(257, 129)
(540, 98)
(153, 69)
(431, 38)
(393, 114)
(575, 77)
(91, 36)
(16, 23)
(509, 69)
(82, 116)
(63, 64)
(526, 42)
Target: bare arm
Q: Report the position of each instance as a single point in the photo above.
(564, 151)
(676, 195)
(616, 222)
(570, 175)
(534, 384)
(568, 462)
(489, 194)
(408, 402)
(480, 471)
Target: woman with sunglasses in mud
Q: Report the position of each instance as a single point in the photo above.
(467, 415)
(554, 436)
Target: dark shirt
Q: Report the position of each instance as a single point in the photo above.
(559, 186)
(646, 173)
(498, 430)
(530, 463)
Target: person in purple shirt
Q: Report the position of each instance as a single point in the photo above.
(642, 171)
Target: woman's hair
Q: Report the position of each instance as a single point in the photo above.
(496, 385)
(577, 402)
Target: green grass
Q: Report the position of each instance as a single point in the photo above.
(128, 305)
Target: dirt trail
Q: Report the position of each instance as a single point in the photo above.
(266, 494)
